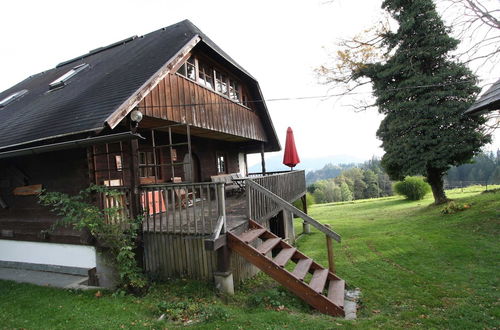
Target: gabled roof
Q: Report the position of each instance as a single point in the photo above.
(102, 94)
(490, 100)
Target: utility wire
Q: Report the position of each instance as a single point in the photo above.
(298, 98)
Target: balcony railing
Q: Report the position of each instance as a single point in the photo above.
(290, 186)
(182, 208)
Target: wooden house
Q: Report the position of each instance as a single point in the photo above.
(168, 118)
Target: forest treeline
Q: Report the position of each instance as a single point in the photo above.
(349, 182)
(346, 182)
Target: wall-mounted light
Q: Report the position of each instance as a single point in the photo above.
(136, 116)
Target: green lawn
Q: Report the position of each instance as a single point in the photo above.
(415, 267)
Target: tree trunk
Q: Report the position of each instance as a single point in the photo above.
(435, 179)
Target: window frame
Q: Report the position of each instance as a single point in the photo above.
(219, 77)
(221, 156)
(63, 80)
(12, 97)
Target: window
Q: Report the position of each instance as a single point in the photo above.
(220, 83)
(234, 90)
(146, 164)
(205, 75)
(188, 69)
(12, 97)
(221, 163)
(62, 80)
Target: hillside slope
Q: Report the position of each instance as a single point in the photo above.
(415, 267)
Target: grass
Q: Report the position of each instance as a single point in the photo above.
(415, 266)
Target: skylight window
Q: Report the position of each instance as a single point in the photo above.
(62, 80)
(12, 97)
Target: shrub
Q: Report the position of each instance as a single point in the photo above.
(453, 207)
(412, 187)
(80, 212)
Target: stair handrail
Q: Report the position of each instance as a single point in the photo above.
(249, 183)
(217, 238)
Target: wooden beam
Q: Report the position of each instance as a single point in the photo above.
(122, 111)
(262, 159)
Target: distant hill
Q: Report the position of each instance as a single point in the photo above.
(309, 164)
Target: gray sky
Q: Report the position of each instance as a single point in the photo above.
(278, 42)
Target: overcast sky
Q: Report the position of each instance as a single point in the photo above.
(278, 42)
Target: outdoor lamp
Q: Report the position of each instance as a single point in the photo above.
(136, 116)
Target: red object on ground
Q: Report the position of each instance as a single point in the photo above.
(290, 158)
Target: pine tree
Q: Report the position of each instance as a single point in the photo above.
(423, 94)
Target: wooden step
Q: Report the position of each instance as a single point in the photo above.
(302, 268)
(319, 279)
(336, 292)
(284, 255)
(268, 245)
(252, 235)
(311, 293)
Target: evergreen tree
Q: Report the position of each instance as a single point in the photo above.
(423, 94)
(372, 190)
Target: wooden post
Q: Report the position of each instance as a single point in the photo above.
(306, 228)
(135, 198)
(262, 159)
(329, 247)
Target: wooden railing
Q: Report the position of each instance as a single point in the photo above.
(289, 186)
(260, 194)
(116, 205)
(185, 208)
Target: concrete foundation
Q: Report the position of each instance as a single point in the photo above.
(107, 273)
(224, 282)
(306, 228)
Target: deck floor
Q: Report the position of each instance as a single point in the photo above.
(182, 220)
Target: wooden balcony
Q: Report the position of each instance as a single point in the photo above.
(201, 208)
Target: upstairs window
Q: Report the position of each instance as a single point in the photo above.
(62, 80)
(188, 69)
(234, 90)
(205, 75)
(12, 97)
(220, 83)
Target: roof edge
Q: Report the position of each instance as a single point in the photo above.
(123, 110)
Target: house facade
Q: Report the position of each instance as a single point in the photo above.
(167, 118)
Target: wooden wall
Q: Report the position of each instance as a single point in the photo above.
(181, 100)
(24, 219)
(175, 256)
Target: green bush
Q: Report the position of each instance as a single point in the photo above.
(120, 237)
(412, 187)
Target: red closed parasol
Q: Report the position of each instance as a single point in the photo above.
(290, 158)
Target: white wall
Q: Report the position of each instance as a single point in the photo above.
(48, 253)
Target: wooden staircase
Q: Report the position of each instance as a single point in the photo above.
(324, 291)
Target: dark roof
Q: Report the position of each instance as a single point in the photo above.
(490, 100)
(115, 72)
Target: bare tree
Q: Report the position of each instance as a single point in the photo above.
(477, 24)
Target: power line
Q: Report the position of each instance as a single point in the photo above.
(298, 98)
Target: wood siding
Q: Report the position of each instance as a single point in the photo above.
(178, 99)
(174, 256)
(25, 219)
